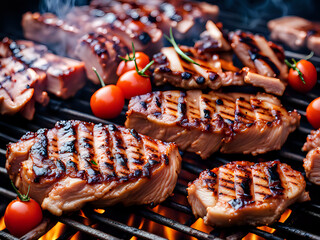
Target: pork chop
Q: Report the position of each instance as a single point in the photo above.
(206, 122)
(244, 193)
(78, 162)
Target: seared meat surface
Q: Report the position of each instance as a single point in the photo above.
(78, 162)
(204, 123)
(20, 88)
(244, 193)
(101, 52)
(64, 76)
(296, 32)
(311, 163)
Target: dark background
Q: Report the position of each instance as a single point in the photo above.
(250, 12)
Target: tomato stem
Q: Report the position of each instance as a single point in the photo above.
(310, 55)
(294, 67)
(178, 50)
(141, 73)
(22, 197)
(99, 77)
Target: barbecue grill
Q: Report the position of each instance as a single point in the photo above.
(173, 218)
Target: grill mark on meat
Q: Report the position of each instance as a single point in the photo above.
(255, 52)
(274, 180)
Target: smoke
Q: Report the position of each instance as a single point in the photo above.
(59, 7)
(254, 12)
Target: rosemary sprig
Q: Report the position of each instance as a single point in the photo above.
(178, 50)
(22, 197)
(99, 77)
(294, 67)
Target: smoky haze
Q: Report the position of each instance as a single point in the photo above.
(59, 7)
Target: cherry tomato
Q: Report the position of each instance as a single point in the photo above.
(142, 61)
(309, 73)
(313, 113)
(107, 102)
(22, 216)
(132, 84)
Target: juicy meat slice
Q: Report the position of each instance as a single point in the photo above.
(296, 32)
(65, 76)
(204, 123)
(170, 68)
(313, 140)
(212, 40)
(311, 163)
(102, 53)
(79, 162)
(20, 88)
(259, 55)
(48, 29)
(244, 193)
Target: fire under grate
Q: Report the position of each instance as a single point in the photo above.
(173, 218)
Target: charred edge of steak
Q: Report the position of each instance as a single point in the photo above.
(255, 53)
(47, 170)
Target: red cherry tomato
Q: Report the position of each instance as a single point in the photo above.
(309, 73)
(313, 113)
(132, 84)
(142, 61)
(22, 216)
(107, 102)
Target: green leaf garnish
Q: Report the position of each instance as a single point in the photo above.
(178, 50)
(93, 162)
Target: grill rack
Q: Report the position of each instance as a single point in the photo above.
(302, 222)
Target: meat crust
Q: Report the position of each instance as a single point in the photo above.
(204, 123)
(244, 193)
(78, 162)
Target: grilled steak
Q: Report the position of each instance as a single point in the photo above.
(48, 29)
(102, 53)
(65, 76)
(296, 32)
(169, 67)
(311, 163)
(20, 88)
(203, 123)
(259, 55)
(78, 162)
(313, 140)
(244, 193)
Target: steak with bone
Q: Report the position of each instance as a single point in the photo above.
(311, 163)
(244, 193)
(206, 122)
(296, 32)
(78, 162)
(64, 76)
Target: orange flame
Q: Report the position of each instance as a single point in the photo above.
(54, 232)
(2, 225)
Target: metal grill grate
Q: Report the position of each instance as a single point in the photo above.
(113, 223)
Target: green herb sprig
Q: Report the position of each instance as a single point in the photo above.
(177, 49)
(140, 72)
(22, 197)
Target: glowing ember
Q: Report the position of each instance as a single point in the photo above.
(282, 219)
(199, 225)
(2, 225)
(54, 233)
(101, 211)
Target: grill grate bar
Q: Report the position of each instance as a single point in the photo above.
(7, 236)
(175, 225)
(177, 206)
(123, 227)
(67, 234)
(86, 229)
(7, 193)
(295, 231)
(291, 156)
(264, 234)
